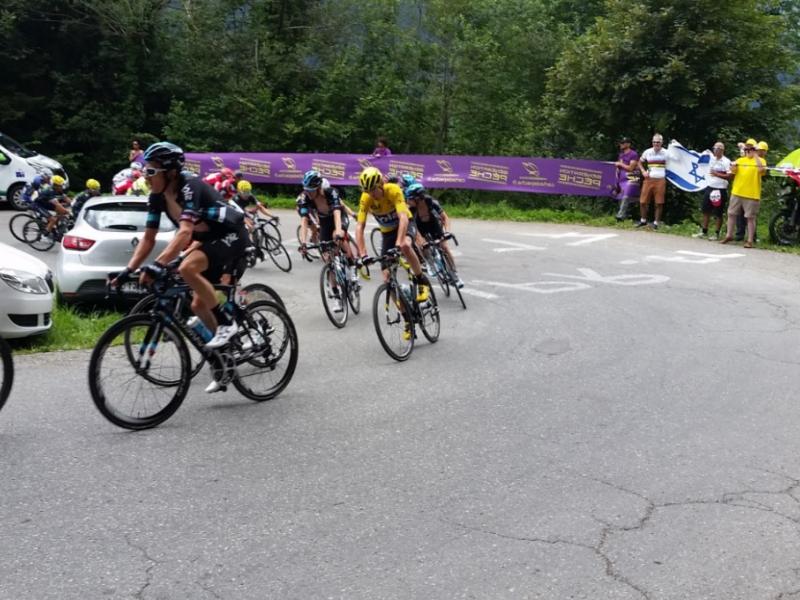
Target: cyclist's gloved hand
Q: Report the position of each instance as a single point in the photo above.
(155, 270)
(120, 278)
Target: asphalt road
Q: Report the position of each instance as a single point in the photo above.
(614, 416)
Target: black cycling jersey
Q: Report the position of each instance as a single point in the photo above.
(245, 201)
(434, 209)
(305, 205)
(79, 201)
(200, 203)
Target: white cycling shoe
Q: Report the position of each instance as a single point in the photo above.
(222, 336)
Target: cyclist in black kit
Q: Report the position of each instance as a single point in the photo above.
(320, 198)
(202, 216)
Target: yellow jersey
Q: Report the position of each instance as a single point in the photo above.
(386, 209)
(747, 181)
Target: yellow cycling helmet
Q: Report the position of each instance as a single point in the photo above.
(370, 179)
(57, 180)
(244, 186)
(762, 145)
(92, 184)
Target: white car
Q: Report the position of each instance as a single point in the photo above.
(106, 233)
(18, 166)
(26, 294)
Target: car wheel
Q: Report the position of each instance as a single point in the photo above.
(14, 197)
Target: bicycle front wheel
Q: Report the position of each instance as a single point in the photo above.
(272, 230)
(376, 241)
(17, 225)
(429, 318)
(451, 274)
(266, 353)
(128, 389)
(389, 317)
(332, 297)
(280, 257)
(6, 371)
(145, 306)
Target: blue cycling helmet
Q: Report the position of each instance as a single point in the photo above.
(167, 154)
(37, 181)
(414, 190)
(407, 179)
(312, 181)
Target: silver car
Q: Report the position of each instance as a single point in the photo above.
(105, 235)
(26, 294)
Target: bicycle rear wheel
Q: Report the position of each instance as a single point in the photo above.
(429, 318)
(390, 324)
(253, 292)
(310, 239)
(267, 351)
(35, 235)
(332, 297)
(354, 296)
(436, 265)
(6, 371)
(129, 393)
(17, 225)
(280, 257)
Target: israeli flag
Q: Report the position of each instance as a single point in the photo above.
(687, 169)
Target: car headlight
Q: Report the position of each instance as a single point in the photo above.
(22, 281)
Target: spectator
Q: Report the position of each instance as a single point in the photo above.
(627, 178)
(654, 170)
(136, 152)
(746, 191)
(741, 223)
(715, 196)
(381, 148)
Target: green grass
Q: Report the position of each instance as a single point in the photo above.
(72, 329)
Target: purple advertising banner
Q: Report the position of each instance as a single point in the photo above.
(498, 173)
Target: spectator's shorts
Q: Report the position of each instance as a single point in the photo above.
(748, 205)
(713, 202)
(657, 188)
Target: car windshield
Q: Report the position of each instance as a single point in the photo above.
(15, 147)
(122, 216)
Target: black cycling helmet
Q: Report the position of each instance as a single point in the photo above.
(167, 154)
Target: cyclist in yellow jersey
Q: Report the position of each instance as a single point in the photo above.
(385, 201)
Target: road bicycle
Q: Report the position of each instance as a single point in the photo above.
(6, 371)
(268, 244)
(140, 369)
(31, 228)
(440, 265)
(396, 312)
(337, 288)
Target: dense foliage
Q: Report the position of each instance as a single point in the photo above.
(538, 77)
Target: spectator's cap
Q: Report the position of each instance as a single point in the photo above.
(625, 140)
(762, 145)
(751, 143)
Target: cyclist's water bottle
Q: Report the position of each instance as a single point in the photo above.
(405, 289)
(196, 325)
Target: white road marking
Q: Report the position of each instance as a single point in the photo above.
(512, 246)
(628, 279)
(586, 238)
(687, 257)
(479, 293)
(539, 287)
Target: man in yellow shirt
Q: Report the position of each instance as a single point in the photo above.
(746, 192)
(385, 201)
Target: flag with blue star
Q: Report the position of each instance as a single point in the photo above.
(686, 168)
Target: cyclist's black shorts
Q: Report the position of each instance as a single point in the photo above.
(432, 228)
(327, 226)
(389, 238)
(224, 252)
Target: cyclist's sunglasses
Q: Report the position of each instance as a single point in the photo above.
(151, 171)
